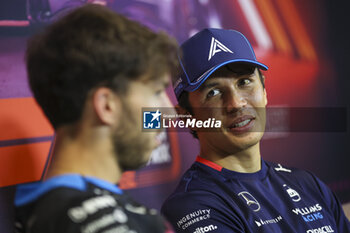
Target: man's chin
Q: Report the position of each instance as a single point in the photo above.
(135, 165)
(131, 167)
(241, 141)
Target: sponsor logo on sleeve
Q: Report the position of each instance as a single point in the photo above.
(309, 214)
(194, 217)
(324, 229)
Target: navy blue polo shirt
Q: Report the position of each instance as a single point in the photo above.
(210, 198)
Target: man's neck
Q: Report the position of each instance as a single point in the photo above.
(84, 156)
(244, 161)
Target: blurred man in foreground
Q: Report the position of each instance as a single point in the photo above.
(91, 72)
(230, 188)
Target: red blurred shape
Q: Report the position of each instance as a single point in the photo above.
(22, 118)
(24, 163)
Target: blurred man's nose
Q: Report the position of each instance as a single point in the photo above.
(167, 105)
(166, 102)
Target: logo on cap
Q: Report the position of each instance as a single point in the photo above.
(215, 47)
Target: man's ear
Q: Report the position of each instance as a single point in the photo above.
(265, 97)
(107, 106)
(265, 93)
(181, 111)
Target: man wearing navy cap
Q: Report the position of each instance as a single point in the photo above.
(230, 188)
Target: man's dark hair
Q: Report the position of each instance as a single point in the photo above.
(90, 47)
(184, 102)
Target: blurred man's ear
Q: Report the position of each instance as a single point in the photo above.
(107, 106)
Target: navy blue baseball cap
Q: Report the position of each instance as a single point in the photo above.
(207, 51)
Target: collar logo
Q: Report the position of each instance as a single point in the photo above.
(280, 168)
(250, 200)
(215, 47)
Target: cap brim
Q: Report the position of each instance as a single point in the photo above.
(194, 86)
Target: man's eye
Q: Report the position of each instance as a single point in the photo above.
(244, 82)
(158, 92)
(212, 93)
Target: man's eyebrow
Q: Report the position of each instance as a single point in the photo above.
(208, 85)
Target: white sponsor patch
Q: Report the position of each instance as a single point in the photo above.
(90, 206)
(141, 210)
(205, 229)
(307, 210)
(293, 194)
(311, 213)
(98, 224)
(120, 229)
(194, 217)
(118, 216)
(269, 221)
(324, 229)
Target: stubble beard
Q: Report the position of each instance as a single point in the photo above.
(131, 148)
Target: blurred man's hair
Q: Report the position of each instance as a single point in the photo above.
(91, 47)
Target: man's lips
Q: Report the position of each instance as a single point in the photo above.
(242, 123)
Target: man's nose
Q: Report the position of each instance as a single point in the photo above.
(234, 100)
